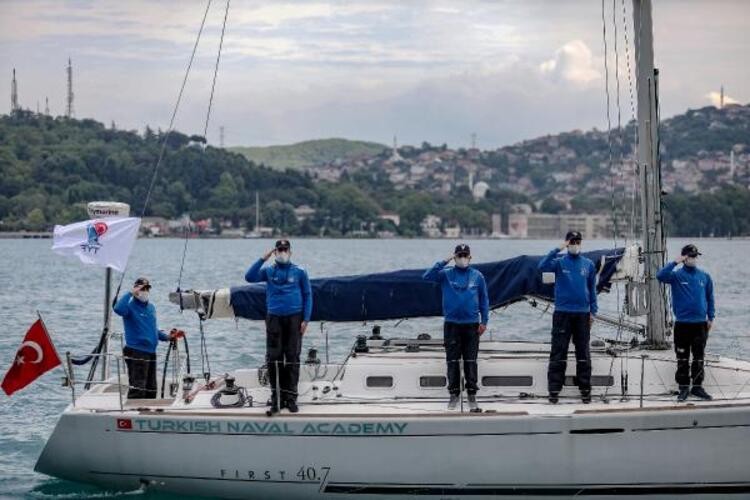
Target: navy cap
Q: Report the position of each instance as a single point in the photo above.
(462, 248)
(283, 245)
(573, 236)
(690, 250)
(143, 283)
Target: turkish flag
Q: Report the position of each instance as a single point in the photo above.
(36, 356)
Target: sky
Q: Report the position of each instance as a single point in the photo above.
(436, 71)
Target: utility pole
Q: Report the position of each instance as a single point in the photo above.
(13, 93)
(649, 170)
(69, 111)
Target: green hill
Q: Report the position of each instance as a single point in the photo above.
(303, 154)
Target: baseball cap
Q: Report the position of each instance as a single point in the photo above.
(690, 250)
(573, 236)
(283, 245)
(462, 248)
(143, 283)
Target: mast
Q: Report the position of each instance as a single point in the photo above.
(649, 171)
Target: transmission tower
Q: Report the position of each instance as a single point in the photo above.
(13, 93)
(69, 111)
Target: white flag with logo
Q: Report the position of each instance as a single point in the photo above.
(102, 242)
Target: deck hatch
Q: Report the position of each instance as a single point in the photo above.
(508, 381)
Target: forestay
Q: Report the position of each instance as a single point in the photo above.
(404, 294)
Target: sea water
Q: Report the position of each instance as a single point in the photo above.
(69, 296)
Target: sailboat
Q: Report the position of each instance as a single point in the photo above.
(376, 423)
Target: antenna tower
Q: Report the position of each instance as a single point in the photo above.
(46, 106)
(69, 111)
(14, 93)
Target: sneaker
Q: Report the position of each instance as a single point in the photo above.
(273, 408)
(554, 397)
(473, 406)
(292, 406)
(453, 403)
(684, 391)
(699, 392)
(586, 397)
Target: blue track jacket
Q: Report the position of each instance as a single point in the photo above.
(464, 293)
(288, 288)
(692, 293)
(139, 319)
(575, 282)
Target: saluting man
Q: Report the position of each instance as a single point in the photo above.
(466, 309)
(575, 307)
(693, 306)
(289, 306)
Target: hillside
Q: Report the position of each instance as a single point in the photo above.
(50, 167)
(309, 153)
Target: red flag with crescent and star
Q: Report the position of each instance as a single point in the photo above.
(37, 355)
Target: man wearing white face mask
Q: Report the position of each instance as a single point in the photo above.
(289, 307)
(141, 339)
(466, 309)
(693, 306)
(575, 307)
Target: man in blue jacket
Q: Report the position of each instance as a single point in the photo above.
(575, 307)
(693, 306)
(141, 339)
(466, 309)
(289, 306)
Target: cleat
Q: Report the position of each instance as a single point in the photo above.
(682, 396)
(453, 403)
(473, 406)
(554, 397)
(700, 393)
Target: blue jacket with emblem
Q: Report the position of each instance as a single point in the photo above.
(288, 288)
(692, 293)
(139, 320)
(575, 282)
(465, 297)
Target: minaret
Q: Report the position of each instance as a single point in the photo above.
(395, 156)
(13, 93)
(69, 111)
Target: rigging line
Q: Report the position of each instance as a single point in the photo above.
(609, 126)
(633, 119)
(205, 131)
(163, 149)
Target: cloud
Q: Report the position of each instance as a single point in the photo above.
(573, 62)
(715, 99)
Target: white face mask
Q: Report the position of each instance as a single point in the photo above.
(691, 261)
(574, 249)
(462, 262)
(282, 257)
(142, 296)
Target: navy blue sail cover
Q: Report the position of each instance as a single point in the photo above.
(404, 294)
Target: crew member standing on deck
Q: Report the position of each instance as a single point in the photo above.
(575, 307)
(466, 309)
(289, 306)
(141, 338)
(693, 306)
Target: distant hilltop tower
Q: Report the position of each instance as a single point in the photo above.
(221, 136)
(474, 140)
(69, 112)
(721, 98)
(395, 156)
(46, 106)
(13, 93)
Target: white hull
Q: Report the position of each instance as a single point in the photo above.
(340, 448)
